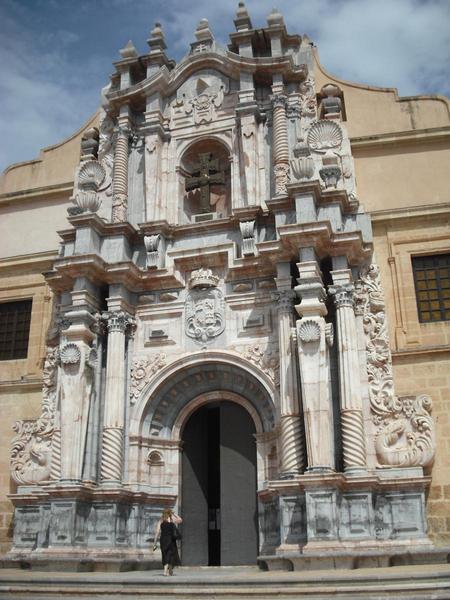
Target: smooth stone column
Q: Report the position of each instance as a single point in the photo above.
(352, 421)
(292, 450)
(114, 412)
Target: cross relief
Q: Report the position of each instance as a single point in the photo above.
(207, 172)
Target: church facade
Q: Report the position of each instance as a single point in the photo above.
(229, 326)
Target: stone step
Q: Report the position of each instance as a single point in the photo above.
(413, 583)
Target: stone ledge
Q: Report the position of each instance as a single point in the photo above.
(356, 559)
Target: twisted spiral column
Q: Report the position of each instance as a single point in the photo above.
(114, 414)
(55, 465)
(112, 454)
(353, 446)
(292, 446)
(120, 178)
(280, 143)
(352, 423)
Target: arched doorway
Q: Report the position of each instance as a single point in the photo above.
(218, 491)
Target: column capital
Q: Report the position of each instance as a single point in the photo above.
(342, 294)
(286, 299)
(279, 100)
(117, 321)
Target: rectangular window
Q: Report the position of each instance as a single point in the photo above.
(15, 320)
(432, 282)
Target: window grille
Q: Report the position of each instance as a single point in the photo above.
(15, 320)
(432, 282)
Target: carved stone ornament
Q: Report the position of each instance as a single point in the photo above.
(92, 358)
(329, 334)
(117, 321)
(248, 237)
(203, 106)
(203, 278)
(405, 434)
(205, 318)
(31, 450)
(152, 243)
(309, 331)
(330, 175)
(324, 135)
(91, 176)
(142, 370)
(281, 172)
(266, 359)
(70, 354)
(308, 104)
(302, 167)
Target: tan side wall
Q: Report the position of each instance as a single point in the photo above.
(31, 226)
(21, 380)
(412, 173)
(421, 351)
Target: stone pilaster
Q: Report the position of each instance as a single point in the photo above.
(114, 412)
(352, 421)
(120, 178)
(313, 338)
(76, 381)
(292, 450)
(280, 143)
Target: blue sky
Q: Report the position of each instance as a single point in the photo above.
(56, 55)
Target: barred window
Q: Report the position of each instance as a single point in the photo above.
(15, 320)
(432, 281)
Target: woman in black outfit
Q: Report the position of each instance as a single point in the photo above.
(166, 531)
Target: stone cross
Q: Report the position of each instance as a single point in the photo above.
(206, 173)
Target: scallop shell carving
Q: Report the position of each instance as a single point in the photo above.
(70, 354)
(91, 175)
(324, 135)
(309, 331)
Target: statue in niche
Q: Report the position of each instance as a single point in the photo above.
(206, 181)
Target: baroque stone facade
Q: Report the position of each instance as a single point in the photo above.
(217, 250)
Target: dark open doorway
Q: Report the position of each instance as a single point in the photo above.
(219, 487)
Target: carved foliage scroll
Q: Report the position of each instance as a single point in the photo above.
(32, 446)
(405, 434)
(142, 370)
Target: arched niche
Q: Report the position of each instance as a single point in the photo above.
(205, 181)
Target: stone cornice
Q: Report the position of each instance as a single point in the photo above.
(29, 262)
(320, 236)
(417, 136)
(410, 212)
(33, 193)
(229, 63)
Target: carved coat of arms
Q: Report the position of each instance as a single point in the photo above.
(204, 308)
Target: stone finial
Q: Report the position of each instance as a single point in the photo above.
(156, 40)
(129, 51)
(242, 20)
(203, 33)
(275, 18)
